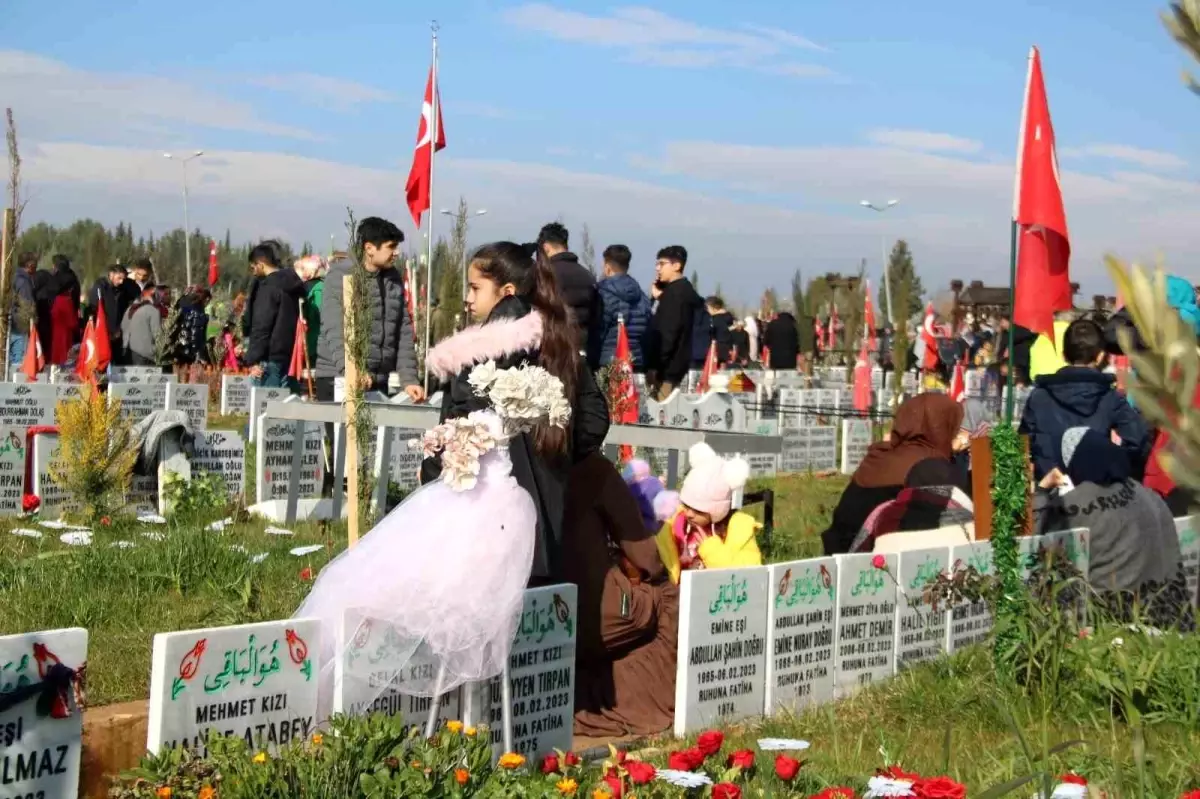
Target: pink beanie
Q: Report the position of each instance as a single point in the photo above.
(710, 484)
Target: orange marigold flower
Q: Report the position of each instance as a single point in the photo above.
(163, 793)
(454, 726)
(461, 776)
(318, 739)
(511, 760)
(260, 758)
(207, 792)
(567, 786)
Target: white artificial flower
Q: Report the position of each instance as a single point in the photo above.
(1066, 790)
(481, 377)
(886, 786)
(782, 744)
(1117, 642)
(683, 779)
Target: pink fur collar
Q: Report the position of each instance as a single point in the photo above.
(486, 342)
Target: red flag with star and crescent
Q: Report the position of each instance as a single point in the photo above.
(1044, 249)
(419, 187)
(625, 408)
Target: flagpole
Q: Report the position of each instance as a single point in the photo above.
(1012, 305)
(434, 133)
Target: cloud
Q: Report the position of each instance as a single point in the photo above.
(924, 140)
(1147, 159)
(324, 91)
(112, 106)
(647, 36)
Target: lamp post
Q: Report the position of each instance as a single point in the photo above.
(187, 233)
(455, 214)
(887, 280)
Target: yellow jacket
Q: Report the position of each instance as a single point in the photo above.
(1046, 358)
(739, 547)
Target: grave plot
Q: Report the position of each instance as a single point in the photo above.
(920, 630)
(222, 452)
(970, 622)
(235, 394)
(192, 399)
(276, 458)
(254, 681)
(866, 622)
(42, 745)
(721, 672)
(800, 630)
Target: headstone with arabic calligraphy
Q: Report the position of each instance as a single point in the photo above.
(722, 413)
(259, 397)
(721, 672)
(920, 630)
(376, 664)
(12, 470)
(866, 622)
(970, 622)
(763, 464)
(41, 751)
(222, 452)
(139, 374)
(275, 458)
(404, 456)
(799, 664)
(235, 394)
(55, 500)
(138, 400)
(1189, 548)
(542, 674)
(192, 399)
(27, 404)
(856, 438)
(257, 682)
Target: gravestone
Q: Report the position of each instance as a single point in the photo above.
(542, 675)
(920, 630)
(41, 751)
(274, 458)
(257, 682)
(55, 500)
(222, 452)
(1189, 548)
(713, 412)
(259, 397)
(27, 404)
(404, 459)
(138, 400)
(856, 438)
(970, 622)
(12, 470)
(235, 394)
(822, 448)
(799, 663)
(866, 622)
(192, 399)
(721, 671)
(151, 375)
(143, 495)
(763, 464)
(375, 665)
(788, 405)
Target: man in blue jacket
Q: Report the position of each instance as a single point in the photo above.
(620, 296)
(1080, 395)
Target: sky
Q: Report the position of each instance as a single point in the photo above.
(748, 132)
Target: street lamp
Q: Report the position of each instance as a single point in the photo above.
(448, 212)
(187, 233)
(887, 280)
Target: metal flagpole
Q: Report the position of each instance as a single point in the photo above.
(433, 140)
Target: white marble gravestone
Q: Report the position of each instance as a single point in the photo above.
(1189, 548)
(12, 470)
(40, 754)
(138, 400)
(235, 394)
(800, 633)
(55, 500)
(275, 458)
(139, 374)
(259, 397)
(254, 681)
(27, 404)
(721, 672)
(866, 622)
(856, 438)
(970, 622)
(222, 452)
(920, 630)
(192, 399)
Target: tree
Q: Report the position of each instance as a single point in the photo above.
(587, 250)
(449, 282)
(1183, 23)
(798, 303)
(901, 270)
(696, 281)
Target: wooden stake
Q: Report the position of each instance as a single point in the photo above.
(7, 267)
(351, 410)
(981, 489)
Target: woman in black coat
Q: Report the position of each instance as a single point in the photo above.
(524, 321)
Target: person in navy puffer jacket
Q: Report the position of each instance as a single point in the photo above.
(1080, 395)
(620, 296)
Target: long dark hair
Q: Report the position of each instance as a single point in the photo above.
(506, 262)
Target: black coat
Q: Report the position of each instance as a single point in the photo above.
(674, 325)
(274, 314)
(577, 287)
(115, 299)
(783, 340)
(544, 480)
(722, 332)
(739, 340)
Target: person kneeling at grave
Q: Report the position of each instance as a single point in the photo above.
(628, 606)
(705, 532)
(1135, 566)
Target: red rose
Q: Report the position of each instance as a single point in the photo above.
(726, 790)
(879, 562)
(742, 758)
(695, 757)
(710, 742)
(30, 503)
(838, 792)
(106, 521)
(621, 757)
(550, 764)
(306, 574)
(571, 759)
(1190, 794)
(1073, 779)
(679, 761)
(939, 788)
(615, 786)
(786, 768)
(639, 773)
(897, 773)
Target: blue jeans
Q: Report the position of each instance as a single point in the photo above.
(274, 376)
(17, 344)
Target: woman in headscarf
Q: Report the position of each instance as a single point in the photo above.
(1134, 554)
(917, 453)
(312, 269)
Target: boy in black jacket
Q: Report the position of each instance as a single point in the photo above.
(274, 315)
(674, 320)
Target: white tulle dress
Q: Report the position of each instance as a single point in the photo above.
(432, 595)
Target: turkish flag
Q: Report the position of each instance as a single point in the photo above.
(1044, 247)
(214, 269)
(297, 365)
(710, 367)
(625, 404)
(85, 361)
(958, 385)
(419, 187)
(35, 360)
(929, 339)
(869, 317)
(862, 381)
(103, 346)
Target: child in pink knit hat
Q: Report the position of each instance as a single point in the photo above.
(707, 533)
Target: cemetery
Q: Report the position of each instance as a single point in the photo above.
(161, 632)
